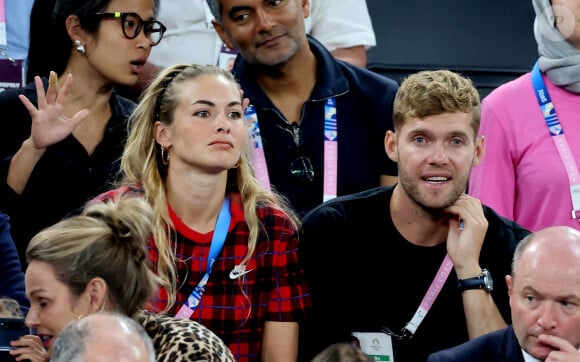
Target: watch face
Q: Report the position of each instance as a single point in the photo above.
(487, 280)
(483, 281)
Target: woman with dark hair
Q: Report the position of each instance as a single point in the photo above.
(39, 51)
(61, 146)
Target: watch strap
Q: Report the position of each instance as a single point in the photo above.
(478, 282)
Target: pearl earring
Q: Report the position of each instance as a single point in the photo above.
(79, 47)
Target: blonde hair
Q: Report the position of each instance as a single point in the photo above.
(432, 92)
(108, 240)
(142, 164)
(342, 352)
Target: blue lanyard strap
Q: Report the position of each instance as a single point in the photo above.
(545, 102)
(557, 135)
(330, 126)
(219, 236)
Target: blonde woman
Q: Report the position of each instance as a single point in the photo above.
(226, 248)
(98, 262)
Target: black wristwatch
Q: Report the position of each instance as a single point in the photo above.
(482, 281)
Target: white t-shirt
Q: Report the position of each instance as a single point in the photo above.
(18, 27)
(191, 38)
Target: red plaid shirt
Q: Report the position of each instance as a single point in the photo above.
(274, 289)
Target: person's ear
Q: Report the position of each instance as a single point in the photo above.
(222, 34)
(162, 134)
(508, 282)
(391, 146)
(479, 150)
(74, 29)
(306, 8)
(97, 292)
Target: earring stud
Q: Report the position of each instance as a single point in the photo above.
(80, 47)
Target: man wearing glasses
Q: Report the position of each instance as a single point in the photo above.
(317, 123)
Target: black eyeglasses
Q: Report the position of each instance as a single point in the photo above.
(132, 24)
(301, 167)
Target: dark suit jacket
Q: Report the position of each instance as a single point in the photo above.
(498, 346)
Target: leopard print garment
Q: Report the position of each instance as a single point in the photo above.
(183, 339)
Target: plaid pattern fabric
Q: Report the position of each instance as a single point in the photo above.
(274, 289)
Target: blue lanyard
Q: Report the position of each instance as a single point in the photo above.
(217, 242)
(557, 134)
(545, 102)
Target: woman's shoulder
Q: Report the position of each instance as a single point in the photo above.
(121, 191)
(183, 338)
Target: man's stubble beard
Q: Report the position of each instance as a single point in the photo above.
(412, 191)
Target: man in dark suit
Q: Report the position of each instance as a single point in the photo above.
(544, 291)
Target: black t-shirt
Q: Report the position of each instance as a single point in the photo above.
(364, 276)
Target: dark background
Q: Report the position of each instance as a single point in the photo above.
(489, 41)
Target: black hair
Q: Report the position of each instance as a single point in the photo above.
(50, 45)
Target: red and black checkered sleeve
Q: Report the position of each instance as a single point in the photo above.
(290, 299)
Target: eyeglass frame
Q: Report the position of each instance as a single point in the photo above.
(141, 25)
(306, 172)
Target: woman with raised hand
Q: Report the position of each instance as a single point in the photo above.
(61, 140)
(225, 247)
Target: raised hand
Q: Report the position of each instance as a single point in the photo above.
(563, 350)
(49, 123)
(464, 241)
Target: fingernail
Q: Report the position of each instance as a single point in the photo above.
(52, 80)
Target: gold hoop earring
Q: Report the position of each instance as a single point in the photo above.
(164, 155)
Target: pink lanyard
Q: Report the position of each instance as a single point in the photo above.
(330, 149)
(3, 38)
(434, 289)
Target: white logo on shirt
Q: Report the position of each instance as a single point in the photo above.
(238, 271)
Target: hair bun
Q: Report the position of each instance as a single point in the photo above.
(130, 220)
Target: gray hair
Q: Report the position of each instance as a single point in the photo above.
(520, 248)
(215, 7)
(72, 342)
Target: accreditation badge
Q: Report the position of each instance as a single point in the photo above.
(227, 58)
(11, 74)
(378, 346)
